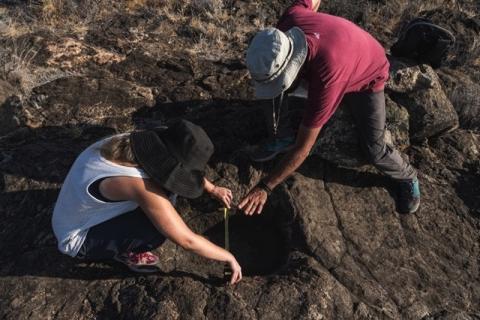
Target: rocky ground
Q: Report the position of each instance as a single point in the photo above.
(329, 245)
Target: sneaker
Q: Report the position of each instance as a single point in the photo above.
(408, 196)
(144, 262)
(271, 149)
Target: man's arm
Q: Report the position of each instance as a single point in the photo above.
(256, 198)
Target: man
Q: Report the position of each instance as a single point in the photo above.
(338, 60)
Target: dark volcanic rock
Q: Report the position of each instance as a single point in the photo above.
(339, 141)
(12, 115)
(329, 244)
(78, 100)
(418, 88)
(10, 106)
(464, 93)
(6, 91)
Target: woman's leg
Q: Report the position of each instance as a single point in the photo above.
(131, 232)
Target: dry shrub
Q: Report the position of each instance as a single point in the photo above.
(210, 26)
(203, 26)
(16, 60)
(11, 26)
(17, 68)
(68, 15)
(132, 5)
(207, 7)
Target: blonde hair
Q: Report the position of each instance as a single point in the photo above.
(119, 150)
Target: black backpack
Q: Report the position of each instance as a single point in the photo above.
(424, 42)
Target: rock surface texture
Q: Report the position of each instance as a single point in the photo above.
(418, 88)
(329, 244)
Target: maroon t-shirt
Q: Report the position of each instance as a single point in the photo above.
(341, 58)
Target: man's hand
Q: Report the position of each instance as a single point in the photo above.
(256, 198)
(254, 201)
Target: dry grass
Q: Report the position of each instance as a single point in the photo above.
(201, 27)
(379, 18)
(67, 16)
(207, 27)
(12, 27)
(16, 60)
(17, 68)
(210, 24)
(133, 5)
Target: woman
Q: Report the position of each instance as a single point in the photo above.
(116, 201)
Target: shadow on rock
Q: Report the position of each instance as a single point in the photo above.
(259, 243)
(48, 262)
(47, 153)
(28, 246)
(231, 124)
(316, 168)
(468, 189)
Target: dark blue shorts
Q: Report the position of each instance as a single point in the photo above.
(129, 232)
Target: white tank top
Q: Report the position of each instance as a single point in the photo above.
(76, 210)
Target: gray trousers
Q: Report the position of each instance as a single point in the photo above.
(368, 110)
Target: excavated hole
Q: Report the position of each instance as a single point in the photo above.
(261, 244)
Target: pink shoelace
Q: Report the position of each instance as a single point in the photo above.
(142, 258)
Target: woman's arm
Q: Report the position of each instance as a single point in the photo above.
(222, 194)
(163, 215)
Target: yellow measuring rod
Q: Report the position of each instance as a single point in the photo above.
(225, 218)
(227, 272)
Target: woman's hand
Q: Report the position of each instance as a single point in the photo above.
(236, 271)
(224, 195)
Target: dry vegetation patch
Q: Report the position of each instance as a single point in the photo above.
(17, 69)
(206, 29)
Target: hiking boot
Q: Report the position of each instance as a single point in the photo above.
(408, 196)
(270, 150)
(144, 262)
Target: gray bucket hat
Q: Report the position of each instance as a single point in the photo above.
(274, 59)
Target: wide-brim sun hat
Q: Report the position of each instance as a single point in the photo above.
(175, 157)
(274, 59)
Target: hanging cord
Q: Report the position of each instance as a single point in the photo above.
(276, 114)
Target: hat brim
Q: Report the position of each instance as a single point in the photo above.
(273, 88)
(186, 183)
(161, 166)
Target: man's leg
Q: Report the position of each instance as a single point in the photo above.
(368, 110)
(128, 236)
